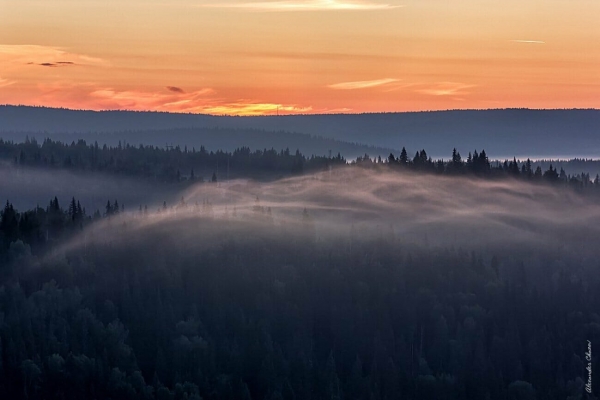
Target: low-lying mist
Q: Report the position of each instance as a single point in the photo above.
(355, 204)
(351, 283)
(27, 187)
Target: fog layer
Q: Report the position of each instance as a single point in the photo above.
(27, 187)
(353, 203)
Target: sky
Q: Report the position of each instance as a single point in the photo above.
(255, 57)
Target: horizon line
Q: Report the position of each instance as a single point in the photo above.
(298, 114)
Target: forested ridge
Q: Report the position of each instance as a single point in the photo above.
(185, 301)
(174, 164)
(246, 321)
(504, 132)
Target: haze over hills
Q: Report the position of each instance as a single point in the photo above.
(299, 200)
(160, 129)
(502, 133)
(214, 139)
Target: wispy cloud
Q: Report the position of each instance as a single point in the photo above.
(205, 101)
(305, 5)
(143, 100)
(528, 41)
(311, 56)
(5, 82)
(342, 110)
(175, 89)
(56, 64)
(46, 56)
(254, 108)
(445, 89)
(362, 84)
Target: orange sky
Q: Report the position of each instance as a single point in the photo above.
(302, 56)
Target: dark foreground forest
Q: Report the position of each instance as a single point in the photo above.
(348, 284)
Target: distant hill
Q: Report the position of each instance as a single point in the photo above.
(213, 139)
(503, 133)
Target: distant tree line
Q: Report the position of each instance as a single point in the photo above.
(478, 164)
(169, 164)
(173, 164)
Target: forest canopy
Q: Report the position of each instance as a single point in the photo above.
(349, 284)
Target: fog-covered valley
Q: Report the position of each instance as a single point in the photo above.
(299, 200)
(124, 276)
(425, 209)
(27, 188)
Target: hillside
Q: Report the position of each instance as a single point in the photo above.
(213, 139)
(506, 133)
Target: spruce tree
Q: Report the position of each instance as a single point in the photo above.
(403, 157)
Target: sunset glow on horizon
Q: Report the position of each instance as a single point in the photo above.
(257, 57)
